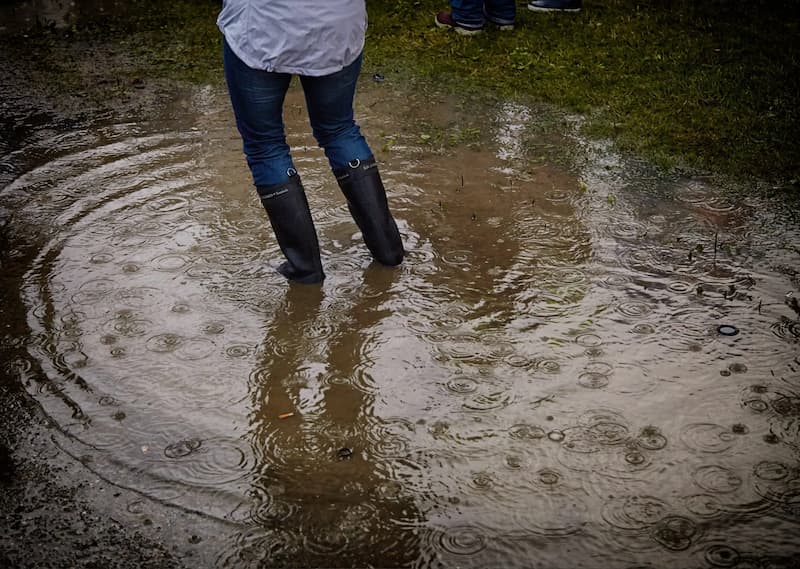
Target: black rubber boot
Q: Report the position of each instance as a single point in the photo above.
(366, 198)
(287, 209)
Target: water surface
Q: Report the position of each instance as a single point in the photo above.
(576, 366)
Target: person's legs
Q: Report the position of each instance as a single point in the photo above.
(501, 12)
(257, 98)
(330, 109)
(468, 13)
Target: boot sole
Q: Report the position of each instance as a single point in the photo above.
(537, 9)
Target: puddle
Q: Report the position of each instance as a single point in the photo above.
(543, 378)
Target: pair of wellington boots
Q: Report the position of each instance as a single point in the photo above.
(290, 217)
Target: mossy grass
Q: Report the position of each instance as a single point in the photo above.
(713, 85)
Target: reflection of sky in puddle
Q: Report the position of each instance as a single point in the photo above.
(546, 365)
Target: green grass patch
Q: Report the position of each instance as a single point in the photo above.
(713, 85)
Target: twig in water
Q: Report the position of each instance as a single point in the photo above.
(716, 234)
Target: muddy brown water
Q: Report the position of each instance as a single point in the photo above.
(543, 383)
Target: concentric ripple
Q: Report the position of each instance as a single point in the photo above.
(549, 371)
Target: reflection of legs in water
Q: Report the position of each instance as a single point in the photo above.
(324, 484)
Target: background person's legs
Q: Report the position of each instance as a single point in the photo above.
(468, 12)
(501, 12)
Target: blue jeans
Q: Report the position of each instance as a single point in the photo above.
(472, 12)
(257, 97)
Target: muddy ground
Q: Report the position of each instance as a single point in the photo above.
(53, 512)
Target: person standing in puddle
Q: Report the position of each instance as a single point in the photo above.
(264, 44)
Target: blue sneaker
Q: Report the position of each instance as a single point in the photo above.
(555, 5)
(444, 19)
(502, 24)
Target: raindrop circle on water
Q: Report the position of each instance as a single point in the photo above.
(169, 262)
(482, 481)
(592, 380)
(195, 349)
(634, 309)
(100, 258)
(589, 340)
(643, 328)
(182, 448)
(462, 385)
(787, 330)
(722, 556)
(703, 505)
(651, 439)
(556, 195)
(239, 351)
(547, 366)
(214, 327)
(708, 437)
(517, 360)
(457, 258)
(634, 512)
(635, 458)
(674, 532)
(181, 308)
(514, 462)
(462, 540)
(163, 343)
(128, 327)
(757, 405)
(488, 401)
(118, 351)
(717, 479)
(770, 470)
(548, 477)
(679, 287)
(527, 432)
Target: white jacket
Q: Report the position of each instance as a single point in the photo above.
(303, 37)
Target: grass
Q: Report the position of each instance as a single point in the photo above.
(712, 85)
